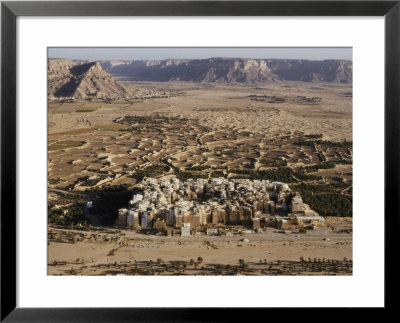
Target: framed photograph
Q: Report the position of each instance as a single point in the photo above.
(183, 155)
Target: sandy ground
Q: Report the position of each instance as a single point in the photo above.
(240, 120)
(234, 106)
(271, 245)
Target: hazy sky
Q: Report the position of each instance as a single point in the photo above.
(158, 53)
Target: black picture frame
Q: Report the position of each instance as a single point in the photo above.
(10, 10)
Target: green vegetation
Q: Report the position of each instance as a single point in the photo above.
(307, 100)
(314, 136)
(323, 165)
(86, 110)
(217, 173)
(183, 176)
(281, 174)
(53, 181)
(69, 215)
(313, 188)
(345, 162)
(269, 98)
(179, 267)
(86, 181)
(145, 120)
(303, 176)
(325, 200)
(108, 188)
(273, 162)
(64, 144)
(150, 171)
(136, 119)
(328, 143)
(197, 168)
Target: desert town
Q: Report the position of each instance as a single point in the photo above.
(203, 205)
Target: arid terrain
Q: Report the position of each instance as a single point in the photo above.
(126, 252)
(218, 127)
(99, 149)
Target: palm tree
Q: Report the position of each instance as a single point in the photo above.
(200, 260)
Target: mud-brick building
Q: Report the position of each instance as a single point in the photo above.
(185, 229)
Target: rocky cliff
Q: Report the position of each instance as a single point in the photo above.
(233, 70)
(81, 80)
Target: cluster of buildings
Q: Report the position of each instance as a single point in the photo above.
(204, 205)
(150, 94)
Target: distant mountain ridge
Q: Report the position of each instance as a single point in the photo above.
(232, 70)
(83, 79)
(67, 78)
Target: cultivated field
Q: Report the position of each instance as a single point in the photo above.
(298, 133)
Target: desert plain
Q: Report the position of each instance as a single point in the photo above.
(102, 149)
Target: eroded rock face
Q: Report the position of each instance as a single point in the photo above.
(233, 70)
(334, 71)
(81, 81)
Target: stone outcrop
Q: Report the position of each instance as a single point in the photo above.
(81, 81)
(233, 70)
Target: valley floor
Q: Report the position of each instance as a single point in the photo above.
(110, 252)
(298, 133)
